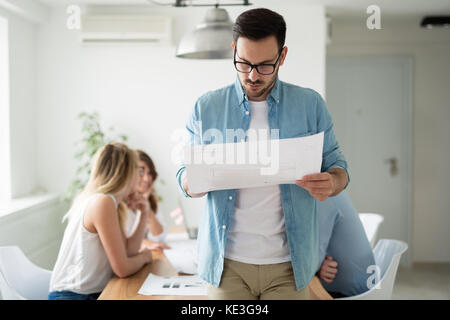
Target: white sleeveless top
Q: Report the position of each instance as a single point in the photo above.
(82, 265)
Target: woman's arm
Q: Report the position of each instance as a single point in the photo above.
(102, 216)
(136, 202)
(154, 226)
(134, 242)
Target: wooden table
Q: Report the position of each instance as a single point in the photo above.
(127, 288)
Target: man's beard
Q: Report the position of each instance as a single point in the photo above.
(262, 91)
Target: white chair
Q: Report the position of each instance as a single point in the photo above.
(20, 279)
(371, 223)
(387, 257)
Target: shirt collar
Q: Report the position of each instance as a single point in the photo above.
(274, 93)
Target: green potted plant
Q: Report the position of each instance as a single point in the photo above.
(92, 138)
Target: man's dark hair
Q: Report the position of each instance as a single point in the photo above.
(258, 24)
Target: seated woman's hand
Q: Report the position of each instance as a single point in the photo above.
(136, 201)
(328, 269)
(131, 201)
(153, 245)
(147, 254)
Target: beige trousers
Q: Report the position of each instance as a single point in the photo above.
(242, 281)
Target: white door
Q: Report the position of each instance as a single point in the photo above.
(369, 99)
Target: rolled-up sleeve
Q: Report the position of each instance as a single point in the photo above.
(193, 135)
(332, 156)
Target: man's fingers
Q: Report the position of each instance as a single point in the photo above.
(323, 192)
(315, 184)
(316, 177)
(320, 198)
(320, 193)
(312, 184)
(315, 189)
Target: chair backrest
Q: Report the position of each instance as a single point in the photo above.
(20, 278)
(387, 258)
(371, 223)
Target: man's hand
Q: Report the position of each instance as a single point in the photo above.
(325, 184)
(320, 185)
(328, 269)
(193, 195)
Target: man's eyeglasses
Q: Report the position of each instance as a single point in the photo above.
(263, 68)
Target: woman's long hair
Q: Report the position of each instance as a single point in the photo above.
(114, 167)
(152, 198)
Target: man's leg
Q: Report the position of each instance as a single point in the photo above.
(278, 283)
(237, 283)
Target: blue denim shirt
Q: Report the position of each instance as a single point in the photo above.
(295, 112)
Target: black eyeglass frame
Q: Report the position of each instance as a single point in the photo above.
(255, 66)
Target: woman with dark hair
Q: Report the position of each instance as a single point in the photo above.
(156, 231)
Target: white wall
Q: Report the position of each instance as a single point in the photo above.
(143, 90)
(5, 170)
(22, 107)
(431, 125)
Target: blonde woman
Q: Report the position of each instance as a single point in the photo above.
(94, 245)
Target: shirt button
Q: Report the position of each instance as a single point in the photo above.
(224, 227)
(230, 198)
(247, 113)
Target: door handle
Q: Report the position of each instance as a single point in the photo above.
(393, 166)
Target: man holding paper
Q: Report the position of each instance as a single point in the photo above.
(261, 242)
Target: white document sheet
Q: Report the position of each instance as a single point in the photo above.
(252, 164)
(173, 286)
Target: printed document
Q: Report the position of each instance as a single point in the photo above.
(173, 286)
(252, 164)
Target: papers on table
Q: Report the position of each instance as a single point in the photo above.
(252, 164)
(178, 286)
(183, 257)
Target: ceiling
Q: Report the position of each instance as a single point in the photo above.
(334, 7)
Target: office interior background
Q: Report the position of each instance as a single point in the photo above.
(387, 90)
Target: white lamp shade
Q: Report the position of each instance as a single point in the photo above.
(210, 40)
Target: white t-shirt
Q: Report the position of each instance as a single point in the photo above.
(82, 265)
(257, 232)
(133, 221)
